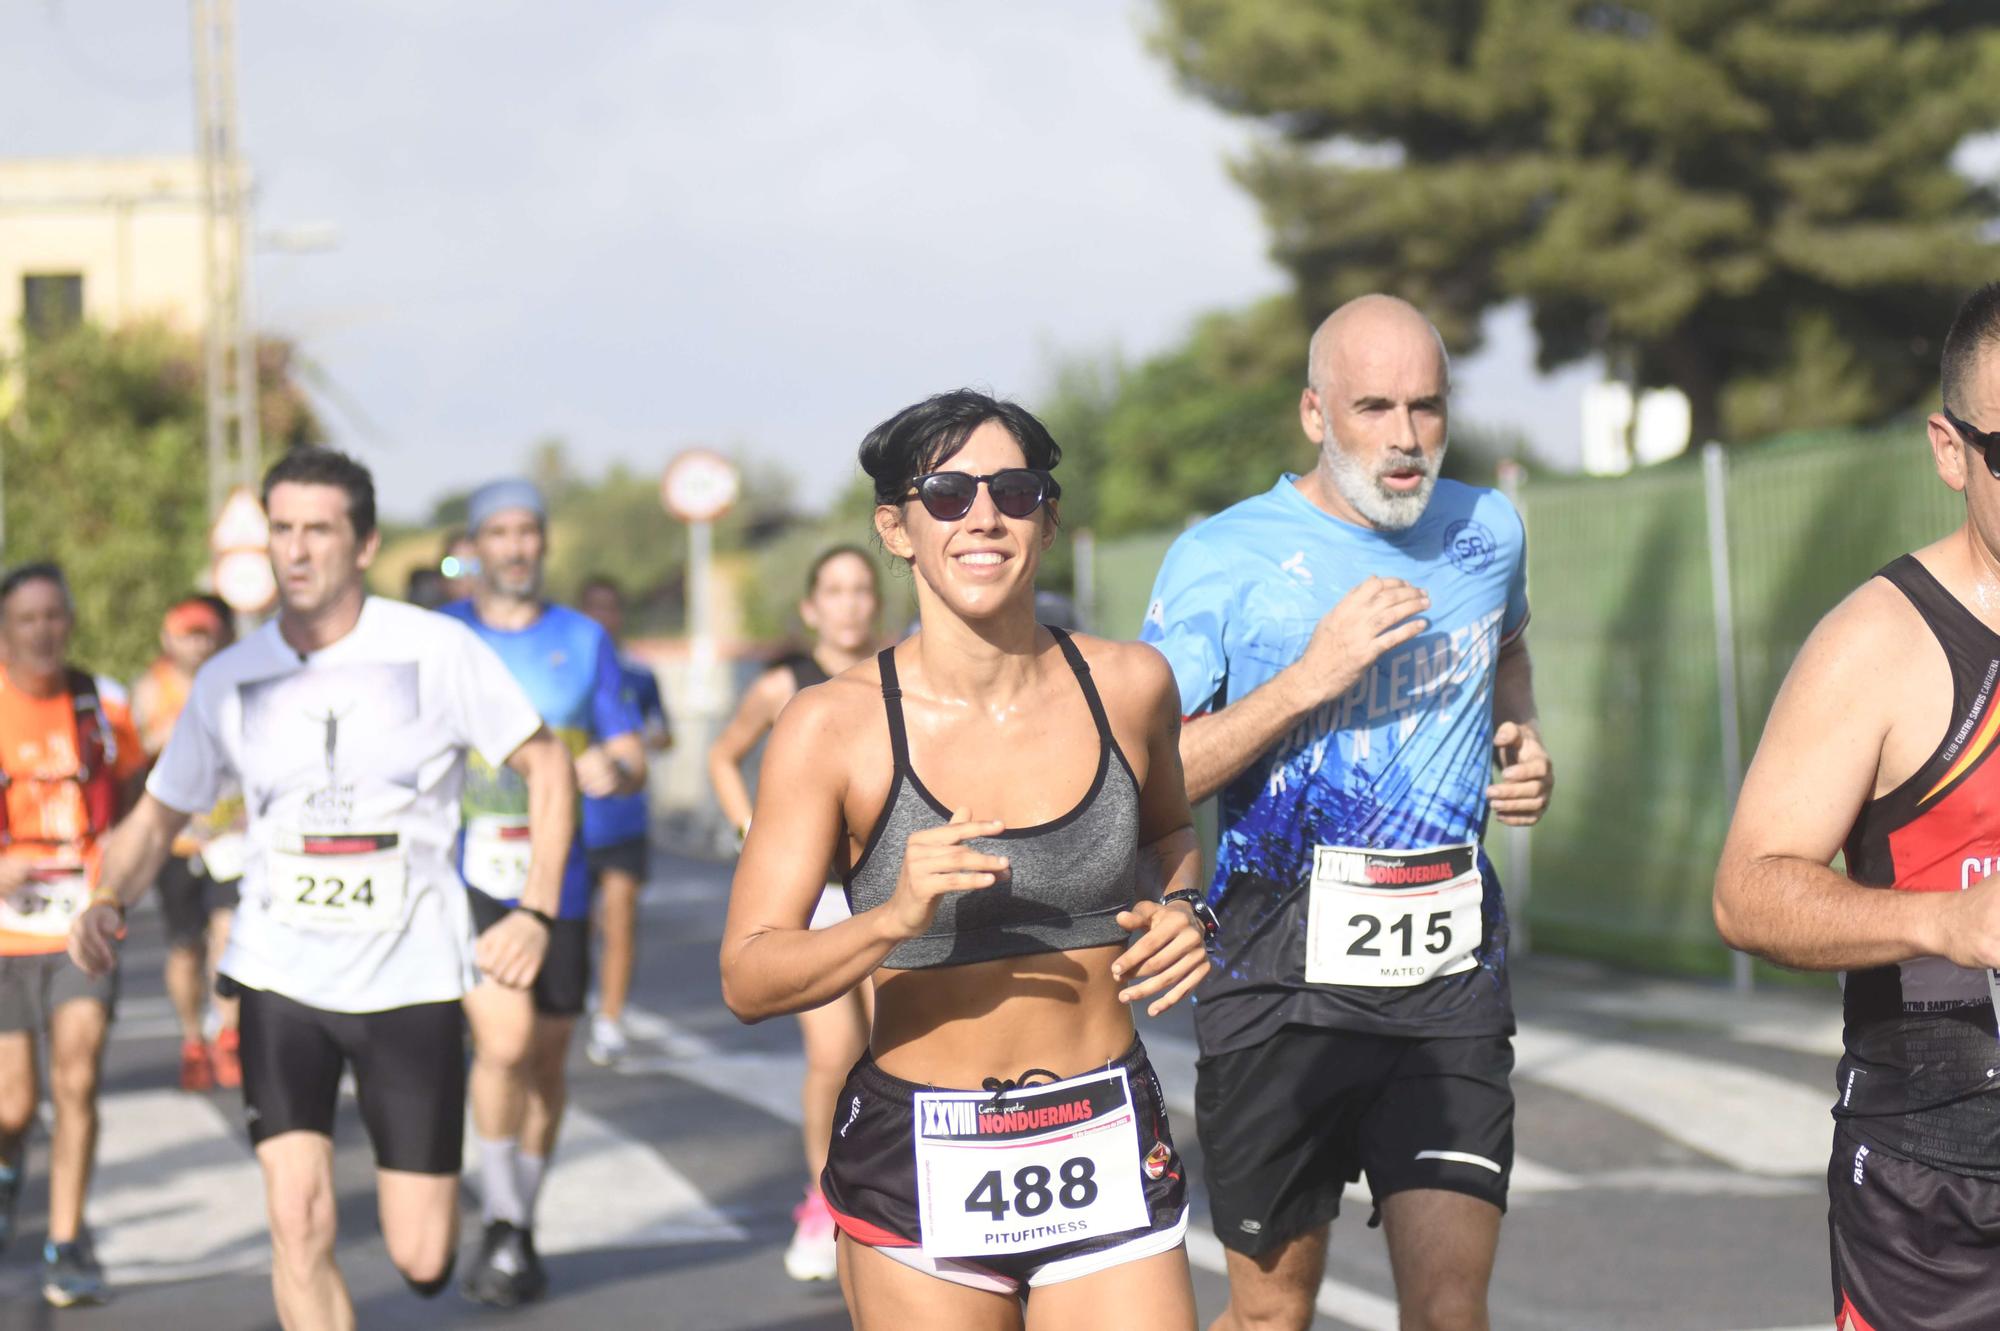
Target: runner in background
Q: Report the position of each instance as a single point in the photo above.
(839, 610)
(69, 761)
(521, 1040)
(616, 836)
(197, 884)
(347, 721)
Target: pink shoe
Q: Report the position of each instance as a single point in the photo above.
(812, 1254)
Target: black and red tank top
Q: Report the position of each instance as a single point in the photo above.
(1921, 1072)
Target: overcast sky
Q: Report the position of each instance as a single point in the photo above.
(640, 226)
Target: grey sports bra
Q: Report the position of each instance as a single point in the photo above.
(1067, 879)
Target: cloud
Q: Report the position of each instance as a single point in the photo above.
(642, 226)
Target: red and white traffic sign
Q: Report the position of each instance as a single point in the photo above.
(700, 485)
(242, 544)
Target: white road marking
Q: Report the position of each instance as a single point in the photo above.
(1776, 1021)
(177, 1193)
(606, 1189)
(1349, 1304)
(769, 1082)
(145, 1019)
(1752, 1121)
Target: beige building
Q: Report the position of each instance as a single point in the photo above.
(113, 240)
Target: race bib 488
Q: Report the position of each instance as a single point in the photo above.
(1043, 1165)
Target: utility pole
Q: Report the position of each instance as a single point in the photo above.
(235, 446)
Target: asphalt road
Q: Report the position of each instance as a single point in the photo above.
(1671, 1136)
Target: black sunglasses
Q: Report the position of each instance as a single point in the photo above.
(1983, 440)
(1017, 492)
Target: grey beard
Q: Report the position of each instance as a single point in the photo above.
(1359, 487)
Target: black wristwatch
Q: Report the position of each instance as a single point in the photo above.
(1203, 915)
(547, 921)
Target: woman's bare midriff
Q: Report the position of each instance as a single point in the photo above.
(955, 1026)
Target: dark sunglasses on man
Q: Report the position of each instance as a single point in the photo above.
(1017, 492)
(1986, 441)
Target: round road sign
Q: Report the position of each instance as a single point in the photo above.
(699, 486)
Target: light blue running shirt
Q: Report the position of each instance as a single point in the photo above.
(567, 664)
(1400, 761)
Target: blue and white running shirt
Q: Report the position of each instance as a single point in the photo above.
(569, 667)
(1400, 762)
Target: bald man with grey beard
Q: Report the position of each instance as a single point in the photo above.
(1350, 648)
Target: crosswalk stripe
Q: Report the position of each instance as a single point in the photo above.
(177, 1193)
(1749, 1120)
(606, 1189)
(1348, 1304)
(1800, 1025)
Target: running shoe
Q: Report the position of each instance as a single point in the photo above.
(224, 1058)
(812, 1254)
(534, 1276)
(606, 1044)
(196, 1073)
(505, 1272)
(10, 1196)
(70, 1274)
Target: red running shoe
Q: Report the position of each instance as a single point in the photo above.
(196, 1073)
(223, 1057)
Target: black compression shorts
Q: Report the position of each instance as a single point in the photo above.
(409, 1075)
(188, 896)
(1914, 1248)
(564, 980)
(632, 857)
(1285, 1125)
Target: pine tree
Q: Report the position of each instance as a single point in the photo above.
(1753, 200)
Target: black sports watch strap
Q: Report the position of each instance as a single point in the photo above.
(1204, 915)
(547, 921)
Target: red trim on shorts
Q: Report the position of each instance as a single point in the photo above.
(1849, 1317)
(863, 1232)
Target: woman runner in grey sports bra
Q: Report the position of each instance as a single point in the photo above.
(1006, 808)
(839, 609)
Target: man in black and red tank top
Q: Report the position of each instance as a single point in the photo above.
(1907, 782)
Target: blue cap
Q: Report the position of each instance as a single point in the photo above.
(496, 497)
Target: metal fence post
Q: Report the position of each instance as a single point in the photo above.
(1085, 581)
(1715, 494)
(1520, 846)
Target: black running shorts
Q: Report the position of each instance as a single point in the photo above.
(870, 1184)
(409, 1075)
(188, 896)
(631, 857)
(1914, 1248)
(1287, 1124)
(564, 980)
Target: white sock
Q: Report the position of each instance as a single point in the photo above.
(499, 1181)
(528, 1170)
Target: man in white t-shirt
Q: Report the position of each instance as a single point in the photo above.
(346, 723)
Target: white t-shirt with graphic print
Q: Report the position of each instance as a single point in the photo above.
(350, 762)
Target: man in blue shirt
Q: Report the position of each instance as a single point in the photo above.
(1351, 657)
(615, 835)
(570, 670)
